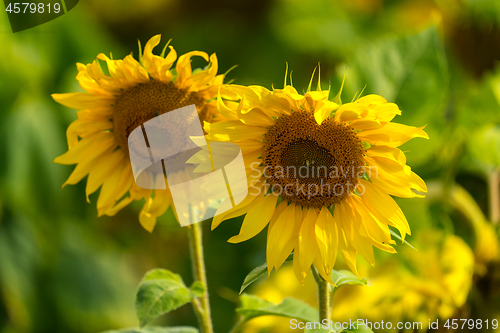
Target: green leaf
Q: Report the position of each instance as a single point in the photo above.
(347, 277)
(256, 273)
(157, 329)
(253, 306)
(253, 276)
(197, 289)
(395, 234)
(162, 291)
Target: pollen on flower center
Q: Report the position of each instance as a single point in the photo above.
(309, 164)
(145, 101)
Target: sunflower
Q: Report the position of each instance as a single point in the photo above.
(118, 100)
(321, 174)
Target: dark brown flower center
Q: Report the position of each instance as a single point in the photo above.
(145, 101)
(309, 164)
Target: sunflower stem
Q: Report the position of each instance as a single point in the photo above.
(201, 305)
(325, 311)
(494, 189)
(238, 326)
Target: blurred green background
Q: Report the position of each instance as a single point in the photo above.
(64, 270)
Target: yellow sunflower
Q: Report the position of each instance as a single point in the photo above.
(117, 101)
(320, 174)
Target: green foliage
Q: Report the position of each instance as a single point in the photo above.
(484, 146)
(253, 306)
(413, 73)
(347, 277)
(162, 291)
(253, 276)
(257, 273)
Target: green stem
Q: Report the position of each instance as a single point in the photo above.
(201, 305)
(494, 189)
(325, 311)
(237, 327)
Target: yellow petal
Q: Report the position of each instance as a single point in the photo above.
(101, 170)
(378, 231)
(147, 220)
(226, 108)
(296, 266)
(84, 146)
(87, 162)
(234, 130)
(278, 235)
(183, 67)
(154, 208)
(392, 134)
(115, 187)
(205, 78)
(323, 110)
(307, 241)
(256, 117)
(346, 247)
(80, 101)
(122, 204)
(395, 178)
(243, 207)
(386, 207)
(349, 112)
(318, 264)
(327, 239)
(82, 128)
(283, 253)
(157, 66)
(357, 231)
(257, 218)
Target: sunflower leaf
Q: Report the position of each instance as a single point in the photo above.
(157, 329)
(256, 273)
(395, 234)
(346, 277)
(162, 291)
(253, 306)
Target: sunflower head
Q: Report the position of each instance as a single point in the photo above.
(321, 174)
(117, 101)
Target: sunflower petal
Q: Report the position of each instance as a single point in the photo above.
(307, 241)
(278, 235)
(257, 218)
(327, 239)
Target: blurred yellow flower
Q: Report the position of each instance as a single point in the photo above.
(420, 286)
(114, 104)
(414, 286)
(320, 174)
